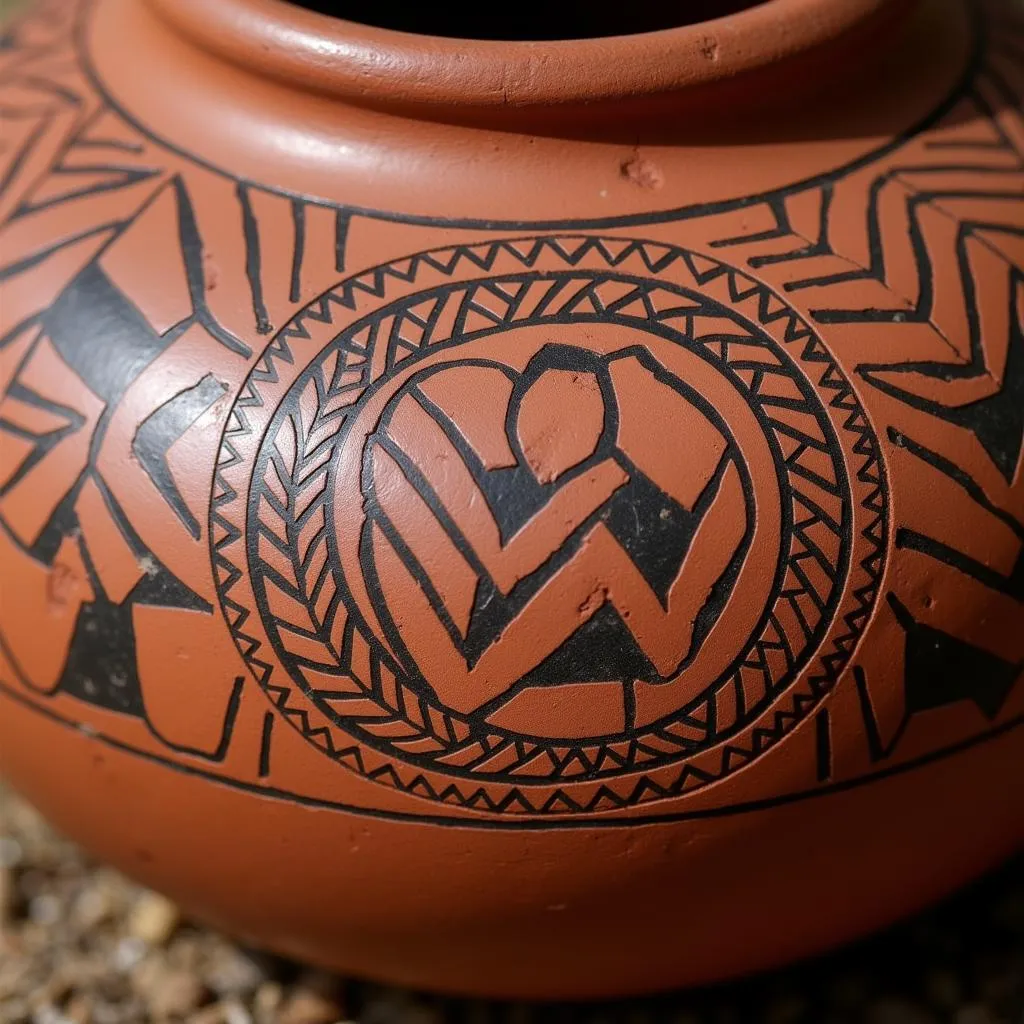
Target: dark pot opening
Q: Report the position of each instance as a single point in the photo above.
(582, 19)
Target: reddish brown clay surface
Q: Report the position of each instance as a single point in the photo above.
(534, 520)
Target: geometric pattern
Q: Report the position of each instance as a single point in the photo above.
(941, 670)
(105, 462)
(340, 683)
(89, 340)
(948, 211)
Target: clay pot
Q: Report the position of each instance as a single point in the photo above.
(534, 518)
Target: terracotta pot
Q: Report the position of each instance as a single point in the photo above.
(536, 518)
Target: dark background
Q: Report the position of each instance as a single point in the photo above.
(529, 19)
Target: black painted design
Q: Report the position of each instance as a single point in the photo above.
(960, 476)
(299, 227)
(341, 225)
(227, 729)
(1011, 585)
(997, 420)
(44, 441)
(265, 743)
(107, 343)
(193, 254)
(515, 823)
(316, 416)
(253, 262)
(101, 667)
(974, 185)
(162, 428)
(940, 671)
(81, 177)
(101, 335)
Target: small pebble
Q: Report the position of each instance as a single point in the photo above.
(48, 1014)
(11, 852)
(235, 1012)
(307, 1007)
(92, 907)
(267, 1001)
(45, 910)
(79, 1010)
(105, 1013)
(154, 919)
(233, 973)
(215, 1014)
(128, 953)
(175, 994)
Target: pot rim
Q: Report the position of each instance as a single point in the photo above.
(378, 67)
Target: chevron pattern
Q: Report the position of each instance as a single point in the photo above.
(72, 175)
(946, 206)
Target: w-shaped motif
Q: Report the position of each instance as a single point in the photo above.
(498, 531)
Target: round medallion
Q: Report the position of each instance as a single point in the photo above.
(548, 525)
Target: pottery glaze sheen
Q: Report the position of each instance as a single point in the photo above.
(528, 519)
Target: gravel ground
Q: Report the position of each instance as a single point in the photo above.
(79, 944)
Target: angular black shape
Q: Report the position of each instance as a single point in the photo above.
(940, 669)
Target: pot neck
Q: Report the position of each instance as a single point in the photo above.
(518, 82)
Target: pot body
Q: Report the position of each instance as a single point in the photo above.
(518, 560)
